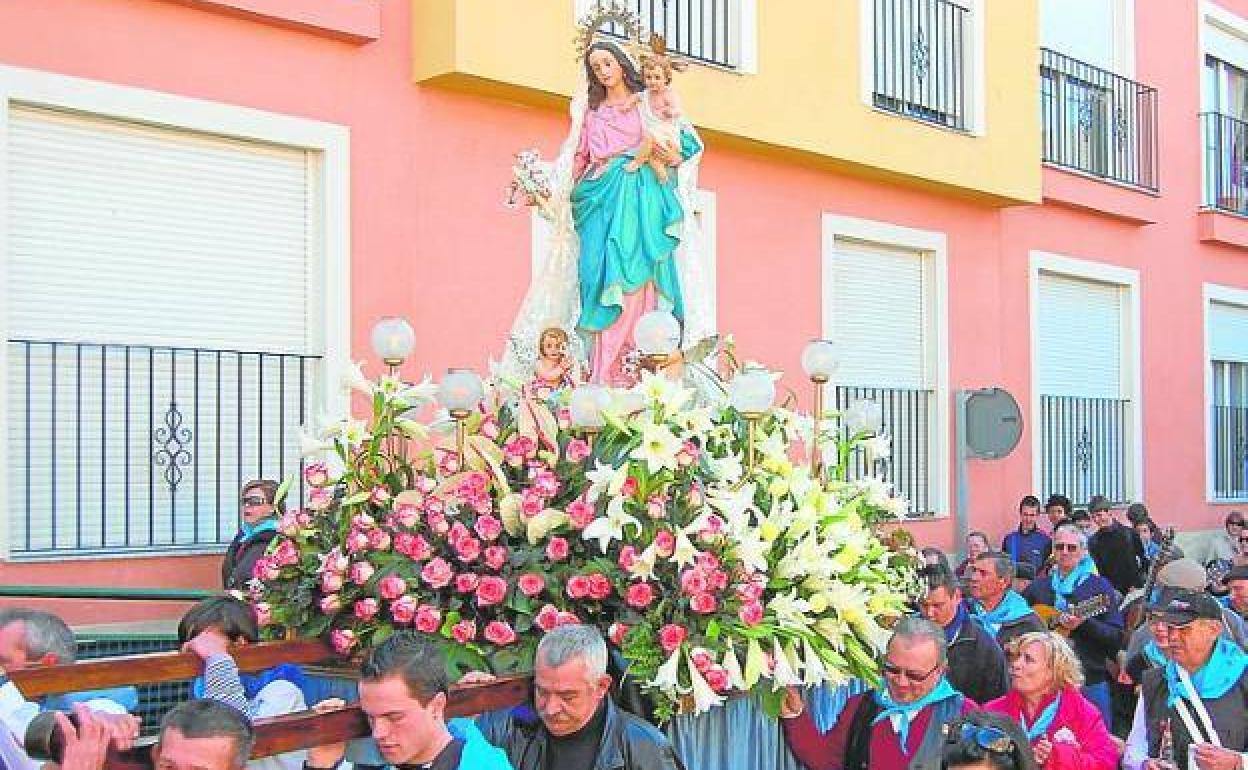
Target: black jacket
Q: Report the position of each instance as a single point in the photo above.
(1114, 551)
(241, 558)
(1098, 638)
(976, 663)
(628, 742)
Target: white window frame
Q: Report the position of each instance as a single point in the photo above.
(1123, 55)
(976, 98)
(328, 143)
(1127, 279)
(1210, 293)
(744, 34)
(933, 245)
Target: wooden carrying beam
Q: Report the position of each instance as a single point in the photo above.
(305, 729)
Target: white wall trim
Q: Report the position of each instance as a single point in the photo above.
(330, 142)
(1129, 279)
(935, 245)
(1210, 293)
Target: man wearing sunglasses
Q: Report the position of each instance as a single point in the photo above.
(897, 726)
(259, 527)
(1199, 693)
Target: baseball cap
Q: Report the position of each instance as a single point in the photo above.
(1182, 573)
(1237, 573)
(1190, 606)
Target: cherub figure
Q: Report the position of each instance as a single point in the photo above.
(662, 118)
(555, 369)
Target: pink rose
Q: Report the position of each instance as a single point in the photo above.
(331, 582)
(495, 557)
(490, 591)
(488, 528)
(702, 659)
(489, 427)
(412, 546)
(639, 595)
(693, 581)
(557, 549)
(599, 587)
(331, 604)
(391, 587)
(464, 631)
(578, 586)
(616, 633)
(665, 543)
(403, 610)
(357, 540)
(567, 619)
(751, 591)
(406, 515)
(434, 506)
(628, 557)
(320, 499)
(428, 619)
(316, 474)
(288, 525)
(437, 523)
(547, 617)
(448, 464)
(342, 639)
(498, 632)
(335, 561)
(379, 495)
(437, 573)
(466, 582)
(531, 584)
(360, 572)
(468, 549)
(697, 500)
(366, 609)
(751, 613)
(671, 637)
(266, 570)
(531, 504)
(703, 604)
(718, 579)
(458, 533)
(656, 508)
(379, 540)
(580, 513)
(717, 678)
(545, 483)
(687, 455)
(264, 614)
(629, 488)
(426, 484)
(577, 450)
(707, 561)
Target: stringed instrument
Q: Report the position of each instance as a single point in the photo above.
(1088, 608)
(1136, 611)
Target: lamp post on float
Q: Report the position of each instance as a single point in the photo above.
(460, 392)
(657, 337)
(585, 408)
(751, 393)
(819, 362)
(393, 341)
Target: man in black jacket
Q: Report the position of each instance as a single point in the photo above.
(977, 666)
(572, 724)
(1113, 548)
(260, 511)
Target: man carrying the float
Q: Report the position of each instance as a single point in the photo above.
(896, 727)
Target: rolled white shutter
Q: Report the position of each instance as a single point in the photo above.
(1228, 332)
(1079, 338)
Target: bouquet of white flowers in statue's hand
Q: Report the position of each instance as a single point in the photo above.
(530, 184)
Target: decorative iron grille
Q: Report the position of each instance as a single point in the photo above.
(907, 420)
(921, 60)
(1085, 447)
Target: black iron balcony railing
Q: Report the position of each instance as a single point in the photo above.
(1086, 447)
(707, 31)
(1098, 122)
(115, 448)
(920, 60)
(907, 420)
(1226, 162)
(1230, 452)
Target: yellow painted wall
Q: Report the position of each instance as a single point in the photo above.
(806, 99)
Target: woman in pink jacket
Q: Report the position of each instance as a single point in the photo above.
(1066, 730)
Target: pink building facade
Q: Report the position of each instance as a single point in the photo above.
(1113, 306)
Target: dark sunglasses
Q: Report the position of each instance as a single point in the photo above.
(1233, 523)
(992, 739)
(891, 669)
(1065, 547)
(252, 501)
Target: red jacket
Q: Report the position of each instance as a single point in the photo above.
(1092, 749)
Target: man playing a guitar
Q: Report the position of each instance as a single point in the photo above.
(1074, 581)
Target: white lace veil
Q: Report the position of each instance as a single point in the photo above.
(553, 297)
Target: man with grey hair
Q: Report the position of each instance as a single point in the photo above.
(204, 735)
(994, 603)
(896, 726)
(572, 724)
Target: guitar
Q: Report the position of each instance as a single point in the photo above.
(1137, 610)
(1088, 608)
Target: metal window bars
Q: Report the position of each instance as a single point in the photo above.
(921, 66)
(1086, 447)
(705, 31)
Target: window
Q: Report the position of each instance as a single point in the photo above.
(1224, 109)
(174, 298)
(1086, 414)
(720, 33)
(1228, 362)
(922, 53)
(883, 299)
(1099, 33)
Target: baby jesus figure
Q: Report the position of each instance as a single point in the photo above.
(661, 142)
(555, 369)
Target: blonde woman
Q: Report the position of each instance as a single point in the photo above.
(1066, 730)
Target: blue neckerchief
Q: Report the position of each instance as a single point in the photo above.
(907, 711)
(1151, 550)
(1215, 678)
(1153, 654)
(126, 697)
(1225, 601)
(1063, 587)
(1012, 607)
(254, 683)
(251, 530)
(1043, 722)
(955, 625)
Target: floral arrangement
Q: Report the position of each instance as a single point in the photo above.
(710, 571)
(530, 184)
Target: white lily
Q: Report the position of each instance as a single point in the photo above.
(611, 527)
(685, 552)
(863, 416)
(644, 564)
(667, 393)
(353, 379)
(311, 444)
(704, 697)
(354, 432)
(877, 448)
(755, 664)
(605, 478)
(667, 677)
(733, 666)
(735, 504)
(509, 512)
(783, 674)
(814, 670)
(658, 448)
(753, 550)
(728, 468)
(790, 610)
(540, 525)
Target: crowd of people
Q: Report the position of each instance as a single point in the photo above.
(1086, 644)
